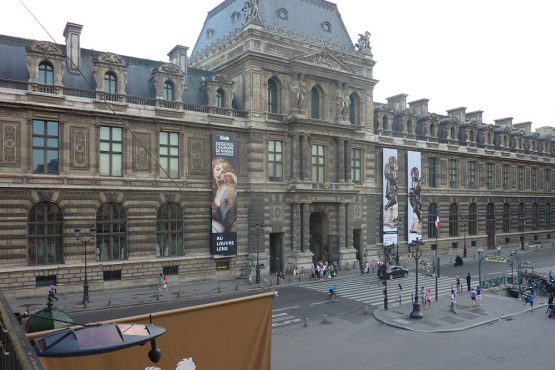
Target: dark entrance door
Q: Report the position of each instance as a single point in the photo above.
(490, 225)
(319, 236)
(276, 252)
(356, 244)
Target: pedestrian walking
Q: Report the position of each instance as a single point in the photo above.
(549, 309)
(478, 296)
(453, 299)
(53, 291)
(428, 299)
(473, 297)
(162, 282)
(399, 294)
(423, 297)
(531, 300)
(468, 282)
(458, 284)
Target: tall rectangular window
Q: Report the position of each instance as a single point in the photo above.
(489, 176)
(520, 177)
(169, 154)
(275, 160)
(432, 172)
(46, 143)
(534, 179)
(356, 166)
(505, 177)
(111, 149)
(318, 163)
(453, 173)
(547, 216)
(471, 174)
(546, 180)
(506, 217)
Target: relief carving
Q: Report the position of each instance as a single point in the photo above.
(141, 148)
(79, 147)
(44, 195)
(9, 136)
(197, 150)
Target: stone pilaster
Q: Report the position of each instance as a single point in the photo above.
(349, 226)
(348, 158)
(305, 232)
(340, 159)
(296, 227)
(295, 156)
(305, 155)
(341, 226)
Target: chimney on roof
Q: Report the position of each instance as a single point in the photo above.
(420, 106)
(178, 56)
(72, 33)
(526, 126)
(398, 102)
(475, 116)
(458, 113)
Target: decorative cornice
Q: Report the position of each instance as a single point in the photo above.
(45, 47)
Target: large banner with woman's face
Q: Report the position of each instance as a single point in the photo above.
(414, 214)
(390, 196)
(224, 194)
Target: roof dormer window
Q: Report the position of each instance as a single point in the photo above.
(46, 74)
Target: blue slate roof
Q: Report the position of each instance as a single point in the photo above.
(13, 66)
(305, 17)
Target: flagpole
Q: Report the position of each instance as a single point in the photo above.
(437, 224)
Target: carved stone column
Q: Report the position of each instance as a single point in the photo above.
(305, 155)
(348, 158)
(305, 208)
(296, 156)
(340, 159)
(348, 226)
(296, 227)
(341, 226)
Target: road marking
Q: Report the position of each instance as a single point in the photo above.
(286, 308)
(315, 303)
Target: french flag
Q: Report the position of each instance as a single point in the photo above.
(438, 222)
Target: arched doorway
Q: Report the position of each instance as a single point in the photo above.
(319, 230)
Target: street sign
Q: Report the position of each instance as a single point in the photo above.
(497, 259)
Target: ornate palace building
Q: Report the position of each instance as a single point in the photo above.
(122, 148)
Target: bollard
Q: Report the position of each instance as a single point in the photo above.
(219, 288)
(157, 296)
(236, 286)
(306, 321)
(324, 318)
(84, 304)
(110, 301)
(366, 309)
(179, 293)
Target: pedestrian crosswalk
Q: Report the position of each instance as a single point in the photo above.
(370, 290)
(283, 319)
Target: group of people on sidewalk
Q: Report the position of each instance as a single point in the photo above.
(322, 270)
(425, 297)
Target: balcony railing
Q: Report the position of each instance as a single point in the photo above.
(275, 117)
(80, 93)
(47, 89)
(11, 84)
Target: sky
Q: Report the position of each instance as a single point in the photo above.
(497, 56)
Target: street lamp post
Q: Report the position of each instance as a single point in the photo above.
(85, 240)
(480, 267)
(385, 302)
(397, 255)
(258, 226)
(464, 220)
(522, 234)
(416, 252)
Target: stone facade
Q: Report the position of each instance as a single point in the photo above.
(277, 87)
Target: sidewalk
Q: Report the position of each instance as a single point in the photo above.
(438, 319)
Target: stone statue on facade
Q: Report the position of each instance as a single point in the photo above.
(251, 11)
(298, 92)
(363, 44)
(343, 102)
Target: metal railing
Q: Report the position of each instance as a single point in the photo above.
(16, 352)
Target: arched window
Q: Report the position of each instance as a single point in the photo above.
(111, 232)
(535, 216)
(46, 74)
(409, 126)
(504, 141)
(452, 133)
(432, 130)
(45, 226)
(489, 138)
(110, 83)
(169, 231)
(472, 219)
(471, 136)
(353, 104)
(168, 91)
(315, 103)
(519, 143)
(272, 96)
(220, 98)
(432, 214)
(453, 220)
(385, 123)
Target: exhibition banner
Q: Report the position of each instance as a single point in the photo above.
(414, 214)
(390, 197)
(224, 194)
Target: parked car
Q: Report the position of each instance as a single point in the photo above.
(393, 272)
(425, 266)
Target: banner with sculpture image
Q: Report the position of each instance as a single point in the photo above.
(224, 194)
(414, 186)
(390, 197)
